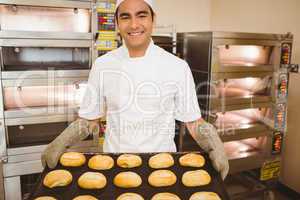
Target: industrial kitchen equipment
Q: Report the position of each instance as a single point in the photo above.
(241, 81)
(46, 51)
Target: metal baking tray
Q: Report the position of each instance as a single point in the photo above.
(111, 192)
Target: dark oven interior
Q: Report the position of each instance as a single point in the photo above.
(41, 58)
(33, 134)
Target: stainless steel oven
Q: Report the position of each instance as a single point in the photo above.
(239, 77)
(46, 51)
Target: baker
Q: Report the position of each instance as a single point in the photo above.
(141, 89)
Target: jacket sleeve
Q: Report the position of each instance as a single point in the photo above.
(186, 102)
(93, 102)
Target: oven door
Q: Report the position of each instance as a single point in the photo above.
(244, 123)
(37, 109)
(49, 16)
(238, 55)
(20, 56)
(229, 89)
(249, 153)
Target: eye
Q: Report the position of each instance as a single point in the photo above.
(142, 15)
(124, 17)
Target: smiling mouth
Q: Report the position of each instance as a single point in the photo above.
(138, 33)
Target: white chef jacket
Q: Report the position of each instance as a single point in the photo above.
(141, 98)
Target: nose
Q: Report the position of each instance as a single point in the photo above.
(134, 23)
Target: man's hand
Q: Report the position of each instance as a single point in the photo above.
(208, 139)
(75, 132)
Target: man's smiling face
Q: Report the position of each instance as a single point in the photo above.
(135, 23)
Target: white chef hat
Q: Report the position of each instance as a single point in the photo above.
(149, 2)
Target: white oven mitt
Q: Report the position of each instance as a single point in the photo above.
(75, 132)
(208, 139)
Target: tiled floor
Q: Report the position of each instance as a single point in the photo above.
(243, 188)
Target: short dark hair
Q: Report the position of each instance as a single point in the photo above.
(151, 11)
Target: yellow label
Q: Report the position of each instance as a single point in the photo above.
(101, 140)
(270, 170)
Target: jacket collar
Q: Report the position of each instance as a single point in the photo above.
(125, 52)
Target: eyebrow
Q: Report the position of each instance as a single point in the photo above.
(143, 12)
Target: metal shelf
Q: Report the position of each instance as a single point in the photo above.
(45, 43)
(245, 132)
(37, 68)
(84, 4)
(45, 74)
(249, 154)
(40, 119)
(25, 150)
(243, 35)
(233, 75)
(38, 111)
(22, 168)
(224, 108)
(252, 161)
(45, 35)
(228, 101)
(233, 68)
(42, 82)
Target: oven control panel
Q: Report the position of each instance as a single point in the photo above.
(286, 52)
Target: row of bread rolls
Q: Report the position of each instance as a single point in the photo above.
(96, 180)
(159, 196)
(105, 162)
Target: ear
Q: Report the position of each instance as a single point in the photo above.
(154, 19)
(116, 20)
(117, 24)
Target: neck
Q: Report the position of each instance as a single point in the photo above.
(140, 51)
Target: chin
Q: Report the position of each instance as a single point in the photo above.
(136, 44)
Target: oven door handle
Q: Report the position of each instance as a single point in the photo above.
(1, 59)
(212, 118)
(96, 141)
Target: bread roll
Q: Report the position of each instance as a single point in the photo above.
(57, 178)
(45, 198)
(127, 180)
(196, 178)
(129, 161)
(101, 162)
(165, 196)
(85, 197)
(72, 159)
(92, 180)
(161, 160)
(162, 178)
(205, 196)
(130, 196)
(192, 160)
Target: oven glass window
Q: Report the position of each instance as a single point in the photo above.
(245, 55)
(244, 118)
(245, 148)
(242, 87)
(34, 58)
(44, 96)
(44, 19)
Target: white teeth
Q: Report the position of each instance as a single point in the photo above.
(135, 34)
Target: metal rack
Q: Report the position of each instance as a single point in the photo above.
(107, 38)
(165, 36)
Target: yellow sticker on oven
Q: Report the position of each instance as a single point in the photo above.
(270, 170)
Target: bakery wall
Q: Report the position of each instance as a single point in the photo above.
(262, 16)
(189, 15)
